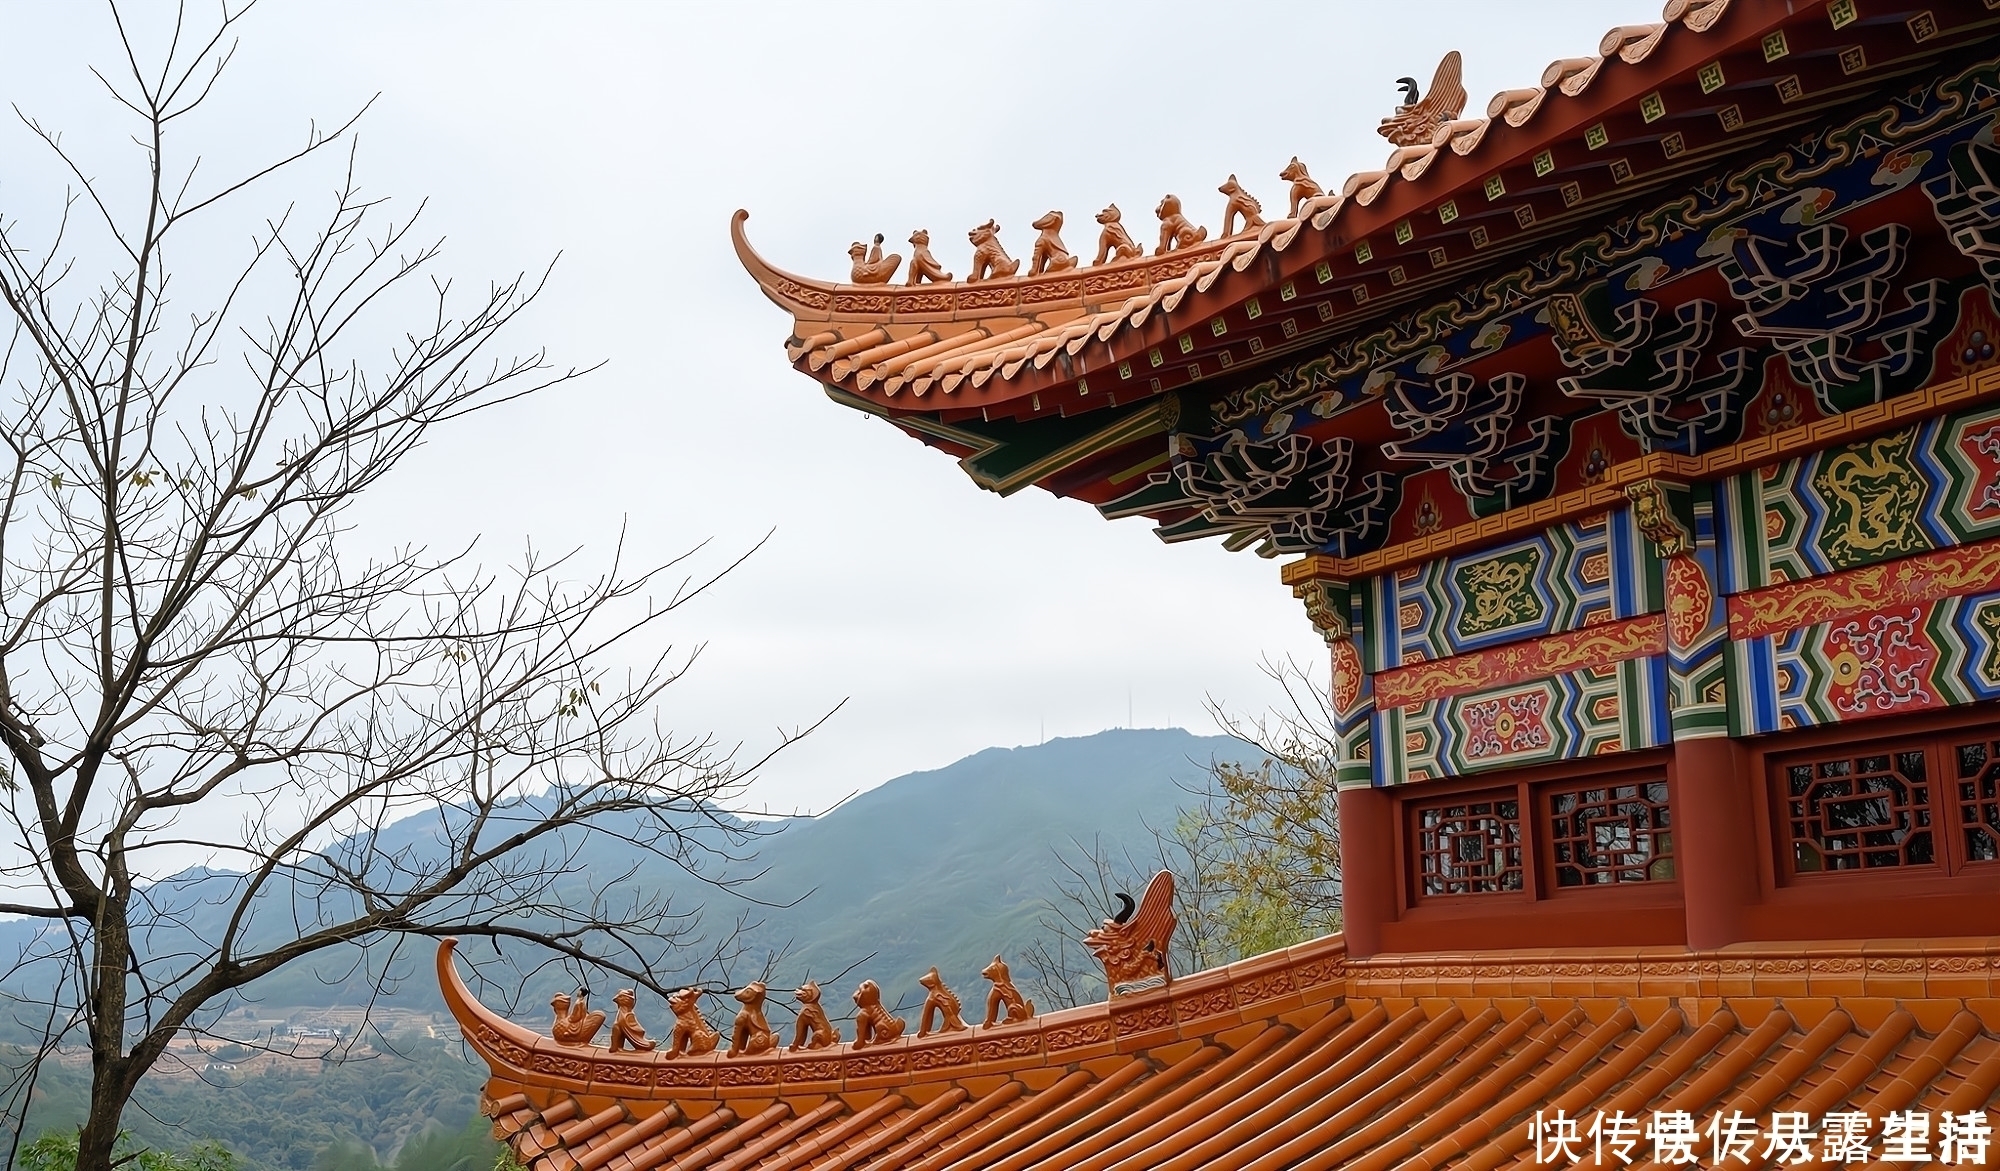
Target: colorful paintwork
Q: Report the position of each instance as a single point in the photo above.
(1897, 659)
(1845, 314)
(1926, 487)
(1766, 218)
(1566, 578)
(1599, 709)
(1518, 662)
(1924, 578)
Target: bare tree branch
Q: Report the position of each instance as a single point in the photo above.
(225, 745)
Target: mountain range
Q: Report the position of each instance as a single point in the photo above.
(945, 867)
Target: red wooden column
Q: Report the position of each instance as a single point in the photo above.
(1367, 867)
(1715, 841)
(1714, 819)
(1366, 814)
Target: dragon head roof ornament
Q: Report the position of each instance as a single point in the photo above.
(1422, 115)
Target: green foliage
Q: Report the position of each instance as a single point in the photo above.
(1277, 865)
(57, 1151)
(415, 1112)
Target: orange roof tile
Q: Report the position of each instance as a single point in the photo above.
(1298, 1060)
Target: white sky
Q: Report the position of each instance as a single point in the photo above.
(623, 136)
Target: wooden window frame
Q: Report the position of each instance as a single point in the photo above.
(1938, 741)
(1530, 787)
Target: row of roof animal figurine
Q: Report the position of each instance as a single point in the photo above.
(990, 261)
(1416, 121)
(576, 1023)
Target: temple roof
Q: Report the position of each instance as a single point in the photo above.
(994, 339)
(1299, 1059)
(1613, 199)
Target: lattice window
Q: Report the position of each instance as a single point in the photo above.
(1867, 810)
(1469, 847)
(1604, 834)
(1977, 778)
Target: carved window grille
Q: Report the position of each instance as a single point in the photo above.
(1606, 834)
(1469, 847)
(1976, 777)
(1860, 812)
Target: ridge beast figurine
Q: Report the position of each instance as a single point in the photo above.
(943, 1002)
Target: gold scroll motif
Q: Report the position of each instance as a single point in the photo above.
(1946, 573)
(1517, 662)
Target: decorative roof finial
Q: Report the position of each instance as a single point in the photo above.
(1420, 115)
(1114, 242)
(1241, 203)
(1303, 186)
(1050, 255)
(870, 266)
(1176, 230)
(924, 266)
(814, 1031)
(989, 260)
(872, 1023)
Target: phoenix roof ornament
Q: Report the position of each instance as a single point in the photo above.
(1132, 945)
(1421, 115)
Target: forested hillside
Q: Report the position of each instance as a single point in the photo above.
(945, 867)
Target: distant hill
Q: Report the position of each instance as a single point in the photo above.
(950, 867)
(945, 867)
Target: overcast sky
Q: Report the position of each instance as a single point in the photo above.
(622, 136)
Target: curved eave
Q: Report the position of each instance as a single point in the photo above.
(1192, 1006)
(812, 302)
(1381, 241)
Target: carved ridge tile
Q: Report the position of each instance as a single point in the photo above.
(1267, 987)
(1780, 966)
(812, 1071)
(569, 1067)
(1154, 1016)
(513, 1053)
(941, 1057)
(621, 1073)
(1895, 963)
(863, 303)
(812, 298)
(1003, 1048)
(1076, 1036)
(1204, 1004)
(749, 1075)
(1328, 971)
(986, 298)
(684, 1076)
(875, 1064)
(1066, 290)
(1099, 283)
(1957, 963)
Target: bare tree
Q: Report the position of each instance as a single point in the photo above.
(191, 672)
